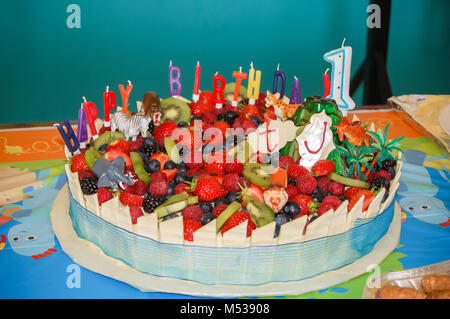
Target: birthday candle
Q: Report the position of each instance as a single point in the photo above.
(254, 82)
(174, 80)
(109, 98)
(326, 84)
(218, 96)
(82, 134)
(91, 114)
(340, 60)
(195, 95)
(125, 95)
(296, 96)
(279, 75)
(239, 77)
(68, 137)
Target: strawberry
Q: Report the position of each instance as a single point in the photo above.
(192, 212)
(103, 195)
(295, 170)
(231, 182)
(303, 201)
(285, 161)
(189, 227)
(85, 173)
(219, 209)
(158, 187)
(306, 184)
(128, 199)
(164, 130)
(140, 188)
(135, 213)
(234, 167)
(162, 158)
(208, 189)
(113, 154)
(78, 163)
(120, 145)
(323, 167)
(368, 196)
(238, 218)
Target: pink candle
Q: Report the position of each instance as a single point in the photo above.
(196, 95)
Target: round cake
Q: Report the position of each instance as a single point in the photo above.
(244, 193)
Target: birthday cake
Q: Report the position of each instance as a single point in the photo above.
(237, 187)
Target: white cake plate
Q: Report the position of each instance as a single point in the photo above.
(92, 257)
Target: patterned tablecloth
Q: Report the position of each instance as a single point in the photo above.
(32, 173)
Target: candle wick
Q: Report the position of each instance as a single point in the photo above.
(343, 43)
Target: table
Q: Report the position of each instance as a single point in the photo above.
(32, 173)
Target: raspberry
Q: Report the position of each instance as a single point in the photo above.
(230, 182)
(336, 188)
(291, 190)
(295, 170)
(219, 209)
(333, 200)
(306, 184)
(193, 212)
(103, 195)
(323, 182)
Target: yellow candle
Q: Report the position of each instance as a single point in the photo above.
(254, 82)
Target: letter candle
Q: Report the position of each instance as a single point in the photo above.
(82, 134)
(340, 60)
(196, 93)
(109, 98)
(174, 80)
(69, 136)
(125, 95)
(254, 82)
(91, 114)
(279, 75)
(296, 96)
(239, 77)
(218, 95)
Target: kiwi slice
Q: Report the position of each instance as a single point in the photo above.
(91, 156)
(176, 110)
(348, 181)
(172, 150)
(259, 174)
(228, 92)
(226, 214)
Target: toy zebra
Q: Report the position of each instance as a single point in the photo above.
(131, 126)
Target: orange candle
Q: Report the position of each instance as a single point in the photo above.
(125, 95)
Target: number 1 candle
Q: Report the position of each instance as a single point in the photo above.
(109, 98)
(340, 60)
(218, 96)
(239, 77)
(174, 80)
(279, 75)
(196, 94)
(125, 95)
(254, 82)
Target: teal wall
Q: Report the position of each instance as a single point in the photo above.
(46, 68)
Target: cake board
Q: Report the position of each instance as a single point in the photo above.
(90, 256)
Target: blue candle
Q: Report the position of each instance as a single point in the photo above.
(68, 136)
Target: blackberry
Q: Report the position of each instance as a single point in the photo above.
(379, 182)
(151, 127)
(151, 202)
(89, 185)
(292, 181)
(149, 150)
